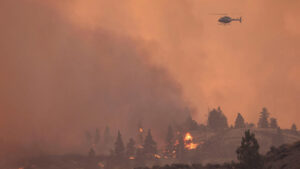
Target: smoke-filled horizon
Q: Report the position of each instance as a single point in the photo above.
(240, 67)
(70, 66)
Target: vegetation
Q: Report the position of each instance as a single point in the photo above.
(263, 121)
(217, 120)
(248, 152)
(181, 147)
(239, 121)
(273, 123)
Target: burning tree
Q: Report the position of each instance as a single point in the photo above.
(188, 142)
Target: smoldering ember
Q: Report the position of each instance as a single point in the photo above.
(216, 145)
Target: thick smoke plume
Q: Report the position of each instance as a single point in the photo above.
(71, 65)
(58, 80)
(240, 67)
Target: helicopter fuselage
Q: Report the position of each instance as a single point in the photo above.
(227, 19)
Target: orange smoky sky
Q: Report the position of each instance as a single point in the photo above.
(240, 67)
(72, 65)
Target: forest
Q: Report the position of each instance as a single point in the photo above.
(187, 146)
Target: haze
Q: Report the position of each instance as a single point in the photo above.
(72, 65)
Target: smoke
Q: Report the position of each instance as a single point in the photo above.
(68, 66)
(59, 79)
(240, 67)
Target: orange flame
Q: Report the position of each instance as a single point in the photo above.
(131, 158)
(176, 143)
(101, 165)
(188, 137)
(188, 141)
(141, 130)
(157, 156)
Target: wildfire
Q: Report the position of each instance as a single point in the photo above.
(141, 130)
(131, 158)
(157, 156)
(188, 137)
(191, 146)
(188, 142)
(176, 143)
(101, 165)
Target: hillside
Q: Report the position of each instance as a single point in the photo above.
(220, 147)
(284, 157)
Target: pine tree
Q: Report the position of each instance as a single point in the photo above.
(239, 121)
(130, 148)
(170, 141)
(273, 123)
(149, 145)
(248, 152)
(119, 146)
(217, 120)
(263, 119)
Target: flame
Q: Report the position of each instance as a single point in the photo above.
(141, 130)
(176, 143)
(188, 141)
(188, 137)
(101, 165)
(191, 146)
(131, 158)
(157, 156)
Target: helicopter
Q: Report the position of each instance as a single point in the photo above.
(226, 19)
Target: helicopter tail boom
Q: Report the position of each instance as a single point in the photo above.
(238, 19)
